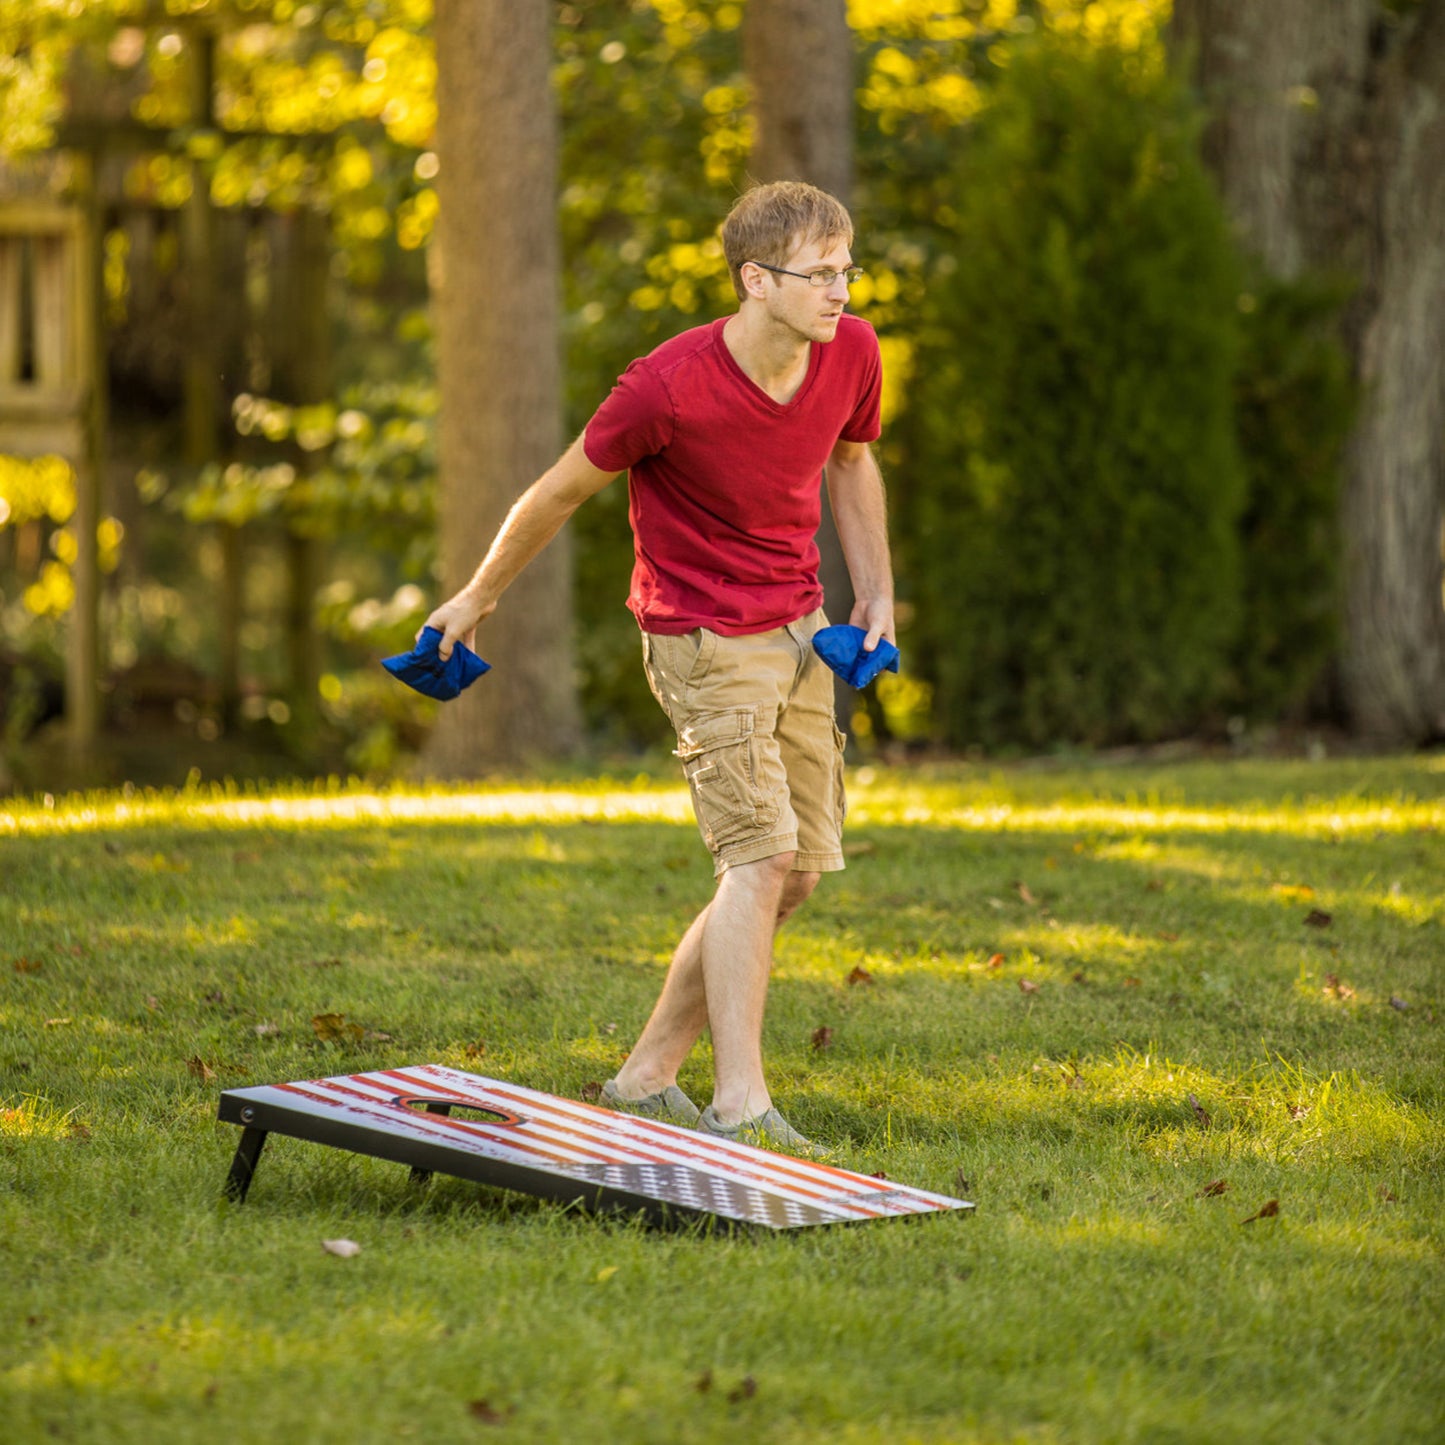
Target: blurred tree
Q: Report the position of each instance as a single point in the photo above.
(495, 271)
(1328, 139)
(799, 59)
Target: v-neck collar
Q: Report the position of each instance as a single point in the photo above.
(815, 352)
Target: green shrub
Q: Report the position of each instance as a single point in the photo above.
(1071, 498)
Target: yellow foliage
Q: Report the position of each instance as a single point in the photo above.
(53, 594)
(34, 490)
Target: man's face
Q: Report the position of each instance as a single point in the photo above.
(811, 311)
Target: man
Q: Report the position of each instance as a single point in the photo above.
(725, 432)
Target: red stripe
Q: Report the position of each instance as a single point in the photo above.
(524, 1098)
(783, 1172)
(745, 1168)
(590, 1149)
(435, 1125)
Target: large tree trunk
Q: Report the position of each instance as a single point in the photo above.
(798, 56)
(495, 296)
(1328, 137)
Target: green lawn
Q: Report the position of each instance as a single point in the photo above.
(1121, 1009)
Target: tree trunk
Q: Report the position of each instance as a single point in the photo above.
(495, 296)
(1328, 138)
(798, 56)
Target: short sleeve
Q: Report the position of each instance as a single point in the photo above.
(635, 421)
(866, 422)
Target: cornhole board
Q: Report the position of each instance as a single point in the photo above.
(441, 1120)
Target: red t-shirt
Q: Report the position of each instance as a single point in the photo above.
(724, 482)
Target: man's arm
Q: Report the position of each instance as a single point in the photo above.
(536, 517)
(855, 490)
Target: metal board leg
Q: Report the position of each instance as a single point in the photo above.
(420, 1176)
(243, 1166)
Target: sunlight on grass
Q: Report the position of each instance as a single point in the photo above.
(959, 801)
(199, 807)
(36, 1118)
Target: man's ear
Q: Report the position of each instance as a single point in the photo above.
(754, 279)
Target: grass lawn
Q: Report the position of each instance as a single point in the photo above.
(1123, 1010)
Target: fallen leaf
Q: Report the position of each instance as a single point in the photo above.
(333, 1029)
(1154, 886)
(1199, 1112)
(609, 1029)
(745, 1389)
(1335, 989)
(860, 975)
(1078, 977)
(27, 965)
(265, 1030)
(200, 1068)
(245, 856)
(703, 1383)
(822, 1037)
(606, 1272)
(959, 1182)
(1298, 1111)
(326, 963)
(77, 1130)
(1398, 1003)
(1317, 918)
(1267, 1211)
(1168, 937)
(152, 1002)
(1027, 985)
(375, 1036)
(878, 1175)
(484, 1411)
(1299, 891)
(478, 1049)
(996, 960)
(1076, 1081)
(1023, 892)
(591, 1092)
(1213, 1189)
(341, 1248)
(56, 1023)
(1386, 1195)
(1131, 983)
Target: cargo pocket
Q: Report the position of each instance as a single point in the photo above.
(719, 756)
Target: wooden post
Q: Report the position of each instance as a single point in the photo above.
(82, 670)
(312, 382)
(202, 388)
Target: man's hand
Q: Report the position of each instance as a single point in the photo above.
(456, 619)
(875, 616)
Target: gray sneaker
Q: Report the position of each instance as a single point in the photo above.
(767, 1131)
(672, 1106)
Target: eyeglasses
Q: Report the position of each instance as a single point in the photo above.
(825, 277)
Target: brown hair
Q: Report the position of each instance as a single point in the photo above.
(767, 223)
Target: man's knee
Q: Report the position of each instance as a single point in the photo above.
(796, 890)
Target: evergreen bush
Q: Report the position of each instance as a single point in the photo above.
(1068, 512)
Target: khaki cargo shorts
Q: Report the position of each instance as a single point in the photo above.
(758, 741)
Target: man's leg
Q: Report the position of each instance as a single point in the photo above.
(682, 1010)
